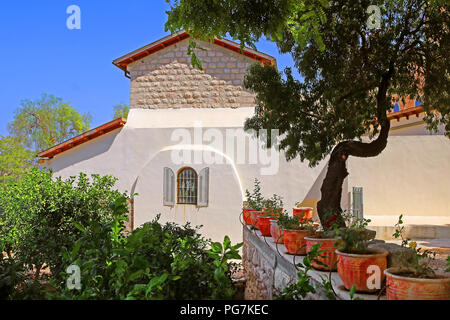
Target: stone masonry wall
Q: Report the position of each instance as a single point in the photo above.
(166, 79)
(267, 273)
(265, 277)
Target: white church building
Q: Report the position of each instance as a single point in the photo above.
(183, 150)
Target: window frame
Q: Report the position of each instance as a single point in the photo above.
(195, 179)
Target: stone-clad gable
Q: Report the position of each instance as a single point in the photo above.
(166, 79)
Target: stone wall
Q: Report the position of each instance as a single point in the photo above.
(266, 275)
(166, 79)
(268, 269)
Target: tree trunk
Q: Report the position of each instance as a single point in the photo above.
(331, 189)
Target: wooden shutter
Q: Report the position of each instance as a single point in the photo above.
(203, 188)
(169, 187)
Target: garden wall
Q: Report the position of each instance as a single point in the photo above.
(269, 270)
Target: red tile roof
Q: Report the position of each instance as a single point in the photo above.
(165, 42)
(83, 138)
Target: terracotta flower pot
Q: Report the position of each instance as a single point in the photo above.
(294, 241)
(305, 213)
(254, 217)
(354, 268)
(400, 287)
(276, 232)
(263, 224)
(246, 215)
(329, 256)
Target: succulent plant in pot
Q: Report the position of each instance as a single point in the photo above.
(326, 237)
(415, 279)
(294, 231)
(358, 265)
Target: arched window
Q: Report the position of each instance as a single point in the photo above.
(187, 186)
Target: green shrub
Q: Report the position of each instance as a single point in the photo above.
(153, 262)
(38, 212)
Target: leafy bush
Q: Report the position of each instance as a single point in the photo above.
(38, 212)
(415, 262)
(287, 222)
(11, 275)
(355, 237)
(153, 262)
(303, 287)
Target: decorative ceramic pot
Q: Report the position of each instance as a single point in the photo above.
(357, 269)
(254, 217)
(246, 215)
(294, 241)
(401, 287)
(276, 232)
(328, 256)
(305, 213)
(263, 224)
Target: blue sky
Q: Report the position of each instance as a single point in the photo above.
(39, 54)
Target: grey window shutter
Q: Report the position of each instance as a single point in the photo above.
(203, 188)
(358, 209)
(169, 187)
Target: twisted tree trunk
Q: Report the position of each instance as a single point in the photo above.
(331, 188)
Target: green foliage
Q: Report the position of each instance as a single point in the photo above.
(303, 286)
(11, 275)
(38, 212)
(273, 204)
(45, 122)
(416, 261)
(247, 21)
(121, 111)
(222, 253)
(352, 293)
(14, 158)
(287, 222)
(255, 200)
(355, 237)
(153, 262)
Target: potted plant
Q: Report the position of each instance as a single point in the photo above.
(294, 232)
(357, 263)
(275, 231)
(273, 205)
(255, 204)
(303, 212)
(326, 237)
(414, 279)
(272, 208)
(263, 222)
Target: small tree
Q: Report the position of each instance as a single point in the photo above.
(14, 158)
(37, 214)
(121, 111)
(47, 121)
(352, 71)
